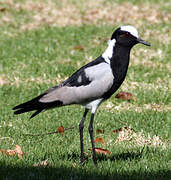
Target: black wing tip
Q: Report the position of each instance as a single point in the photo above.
(14, 108)
(36, 113)
(19, 111)
(20, 106)
(28, 103)
(16, 112)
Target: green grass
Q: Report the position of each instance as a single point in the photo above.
(49, 52)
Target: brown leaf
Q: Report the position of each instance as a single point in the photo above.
(100, 131)
(13, 152)
(125, 96)
(3, 9)
(61, 130)
(79, 48)
(3, 150)
(19, 151)
(99, 140)
(10, 152)
(101, 151)
(41, 164)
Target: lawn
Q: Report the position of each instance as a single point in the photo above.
(41, 44)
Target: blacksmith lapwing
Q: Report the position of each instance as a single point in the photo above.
(91, 84)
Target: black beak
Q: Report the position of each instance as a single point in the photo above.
(139, 40)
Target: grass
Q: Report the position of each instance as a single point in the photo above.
(35, 59)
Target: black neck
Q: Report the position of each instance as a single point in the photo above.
(120, 62)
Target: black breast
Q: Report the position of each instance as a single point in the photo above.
(119, 64)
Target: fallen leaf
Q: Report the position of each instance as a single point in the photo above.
(12, 152)
(100, 131)
(8, 152)
(100, 140)
(79, 47)
(42, 164)
(101, 151)
(125, 96)
(3, 9)
(61, 129)
(3, 150)
(19, 151)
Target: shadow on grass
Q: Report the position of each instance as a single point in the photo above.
(122, 156)
(62, 172)
(101, 157)
(7, 172)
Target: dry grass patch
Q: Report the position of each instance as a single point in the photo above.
(163, 84)
(138, 138)
(3, 80)
(126, 106)
(163, 35)
(127, 85)
(146, 58)
(67, 13)
(16, 81)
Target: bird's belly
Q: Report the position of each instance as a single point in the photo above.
(93, 105)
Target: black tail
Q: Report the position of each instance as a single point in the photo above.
(35, 105)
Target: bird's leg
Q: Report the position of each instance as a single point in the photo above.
(92, 138)
(81, 127)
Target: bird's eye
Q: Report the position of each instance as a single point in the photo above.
(127, 34)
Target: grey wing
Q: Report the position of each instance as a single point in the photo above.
(99, 78)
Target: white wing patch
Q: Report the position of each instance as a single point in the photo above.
(131, 29)
(109, 51)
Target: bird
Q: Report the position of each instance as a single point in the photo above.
(92, 84)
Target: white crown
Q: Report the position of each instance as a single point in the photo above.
(131, 29)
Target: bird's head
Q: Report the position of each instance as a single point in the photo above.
(127, 36)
